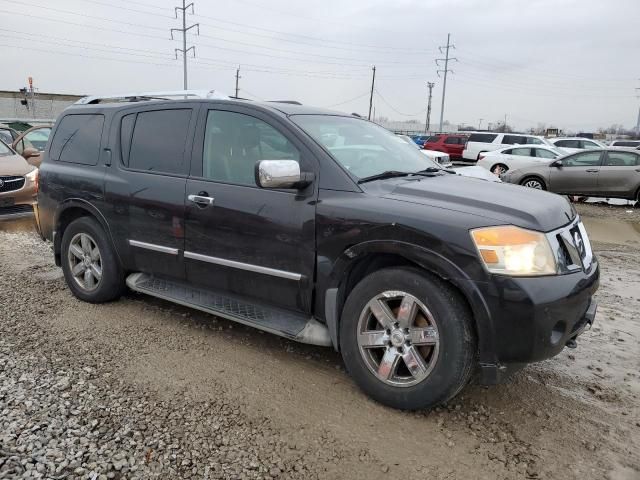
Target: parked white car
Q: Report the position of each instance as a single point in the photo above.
(490, 141)
(512, 158)
(631, 144)
(575, 144)
(440, 158)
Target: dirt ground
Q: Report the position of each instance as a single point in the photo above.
(161, 391)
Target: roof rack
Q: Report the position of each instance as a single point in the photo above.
(164, 95)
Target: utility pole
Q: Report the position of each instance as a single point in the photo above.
(505, 123)
(480, 124)
(638, 121)
(238, 77)
(373, 84)
(446, 70)
(184, 50)
(427, 124)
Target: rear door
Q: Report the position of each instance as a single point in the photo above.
(454, 146)
(578, 173)
(244, 240)
(619, 174)
(145, 186)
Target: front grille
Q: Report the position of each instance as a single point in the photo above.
(9, 184)
(573, 247)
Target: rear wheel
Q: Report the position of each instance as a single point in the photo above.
(534, 182)
(89, 263)
(407, 339)
(499, 169)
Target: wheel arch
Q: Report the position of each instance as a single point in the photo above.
(534, 176)
(360, 260)
(71, 210)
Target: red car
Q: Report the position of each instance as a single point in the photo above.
(451, 144)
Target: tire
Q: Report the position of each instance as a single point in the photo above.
(92, 275)
(442, 336)
(499, 169)
(534, 182)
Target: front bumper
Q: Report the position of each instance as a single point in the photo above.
(535, 318)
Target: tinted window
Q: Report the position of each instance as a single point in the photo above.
(158, 141)
(586, 159)
(522, 152)
(433, 139)
(589, 145)
(234, 142)
(482, 137)
(5, 136)
(617, 144)
(621, 159)
(534, 141)
(568, 143)
(512, 139)
(126, 131)
(77, 139)
(542, 153)
(452, 141)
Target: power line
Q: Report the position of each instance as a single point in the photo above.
(397, 111)
(446, 70)
(184, 50)
(348, 101)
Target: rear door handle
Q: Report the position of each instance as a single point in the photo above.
(201, 200)
(592, 170)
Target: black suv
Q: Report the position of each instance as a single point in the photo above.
(319, 227)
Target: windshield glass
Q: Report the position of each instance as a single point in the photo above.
(362, 147)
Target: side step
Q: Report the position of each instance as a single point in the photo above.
(273, 320)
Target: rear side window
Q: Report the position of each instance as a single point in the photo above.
(621, 159)
(77, 139)
(568, 143)
(452, 141)
(534, 141)
(625, 144)
(513, 139)
(482, 137)
(542, 153)
(158, 141)
(523, 152)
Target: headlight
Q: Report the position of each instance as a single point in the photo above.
(32, 176)
(510, 250)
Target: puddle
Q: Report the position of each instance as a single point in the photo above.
(614, 231)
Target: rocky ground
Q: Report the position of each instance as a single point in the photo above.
(141, 388)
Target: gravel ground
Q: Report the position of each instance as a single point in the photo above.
(141, 388)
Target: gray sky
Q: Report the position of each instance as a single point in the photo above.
(568, 63)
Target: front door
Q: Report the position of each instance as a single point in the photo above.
(241, 239)
(578, 173)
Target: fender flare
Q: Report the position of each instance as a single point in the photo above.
(426, 259)
(91, 210)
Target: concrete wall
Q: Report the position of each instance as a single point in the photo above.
(47, 105)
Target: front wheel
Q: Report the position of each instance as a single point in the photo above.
(533, 182)
(406, 338)
(499, 168)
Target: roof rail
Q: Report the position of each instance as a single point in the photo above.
(164, 95)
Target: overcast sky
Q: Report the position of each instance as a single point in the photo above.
(568, 63)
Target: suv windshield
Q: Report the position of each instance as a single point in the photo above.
(363, 148)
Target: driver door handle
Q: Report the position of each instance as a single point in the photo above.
(201, 199)
(592, 170)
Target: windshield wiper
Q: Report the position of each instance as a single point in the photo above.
(383, 175)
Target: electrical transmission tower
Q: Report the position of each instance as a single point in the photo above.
(238, 77)
(446, 70)
(427, 124)
(184, 50)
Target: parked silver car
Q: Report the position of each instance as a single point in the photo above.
(608, 172)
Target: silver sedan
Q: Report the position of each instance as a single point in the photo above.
(607, 172)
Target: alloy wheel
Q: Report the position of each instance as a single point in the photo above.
(533, 183)
(499, 169)
(85, 261)
(398, 338)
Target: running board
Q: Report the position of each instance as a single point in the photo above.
(273, 320)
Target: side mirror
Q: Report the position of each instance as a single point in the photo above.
(27, 153)
(281, 174)
(556, 163)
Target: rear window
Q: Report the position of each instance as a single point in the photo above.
(158, 141)
(482, 137)
(77, 139)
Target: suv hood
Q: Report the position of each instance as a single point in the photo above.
(14, 165)
(500, 203)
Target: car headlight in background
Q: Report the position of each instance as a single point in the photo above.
(510, 250)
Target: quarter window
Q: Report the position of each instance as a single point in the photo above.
(568, 143)
(158, 141)
(482, 137)
(77, 139)
(234, 142)
(586, 159)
